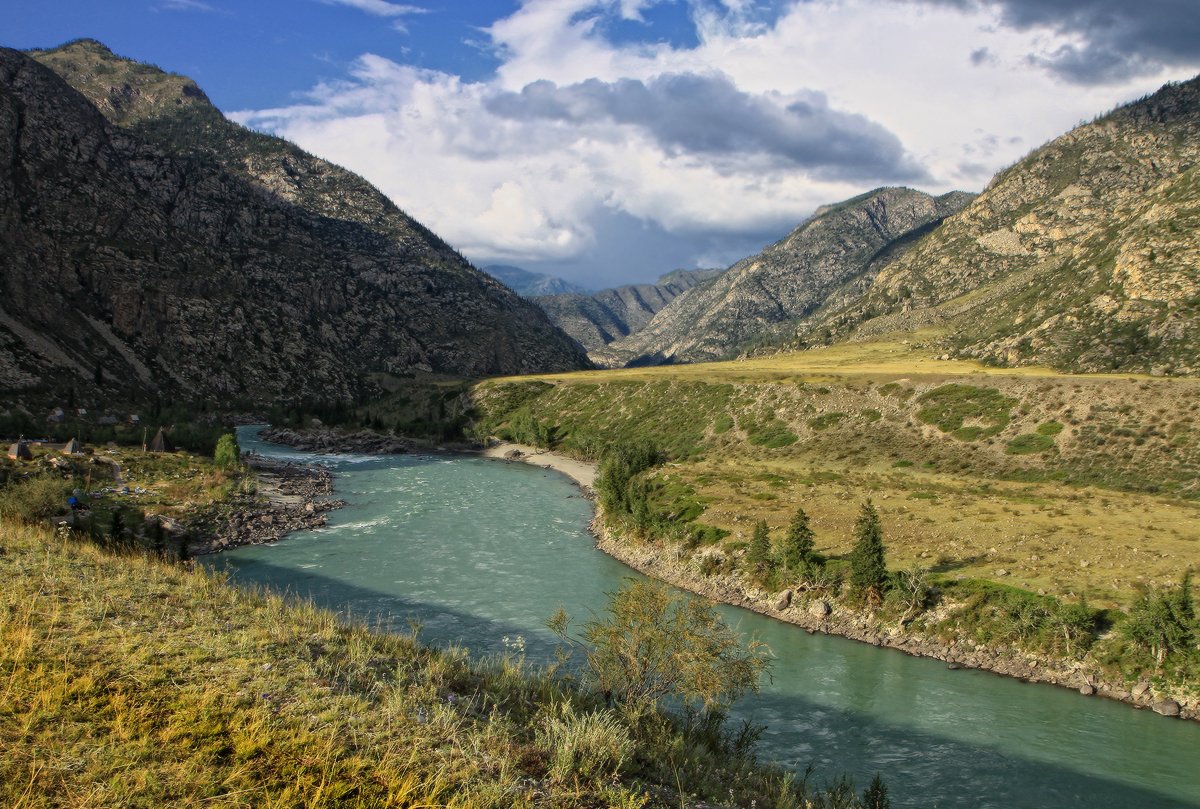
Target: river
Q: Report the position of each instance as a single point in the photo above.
(479, 551)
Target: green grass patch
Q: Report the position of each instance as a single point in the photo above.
(826, 420)
(1029, 444)
(1050, 428)
(949, 408)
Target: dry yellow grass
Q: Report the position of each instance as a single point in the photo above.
(1044, 537)
(907, 356)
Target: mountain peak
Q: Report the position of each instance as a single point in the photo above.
(124, 90)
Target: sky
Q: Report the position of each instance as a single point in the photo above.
(610, 141)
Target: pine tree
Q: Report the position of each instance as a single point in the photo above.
(876, 795)
(798, 544)
(758, 555)
(868, 570)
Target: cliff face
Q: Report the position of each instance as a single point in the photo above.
(178, 252)
(1085, 255)
(760, 299)
(599, 318)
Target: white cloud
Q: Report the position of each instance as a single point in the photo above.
(381, 8)
(184, 5)
(520, 187)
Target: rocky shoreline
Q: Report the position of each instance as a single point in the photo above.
(290, 497)
(816, 614)
(329, 439)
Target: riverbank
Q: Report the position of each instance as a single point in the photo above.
(817, 614)
(581, 472)
(288, 497)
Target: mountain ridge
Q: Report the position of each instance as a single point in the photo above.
(140, 266)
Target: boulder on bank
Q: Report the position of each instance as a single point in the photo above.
(819, 609)
(1167, 707)
(783, 600)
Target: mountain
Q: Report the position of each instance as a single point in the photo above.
(1084, 256)
(597, 319)
(834, 254)
(530, 284)
(152, 245)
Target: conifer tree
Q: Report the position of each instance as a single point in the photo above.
(758, 555)
(798, 544)
(868, 570)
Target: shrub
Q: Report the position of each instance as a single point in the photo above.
(949, 406)
(1029, 444)
(589, 747)
(227, 454)
(34, 499)
(655, 646)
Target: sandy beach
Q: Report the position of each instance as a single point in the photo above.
(579, 471)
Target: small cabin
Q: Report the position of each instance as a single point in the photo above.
(57, 416)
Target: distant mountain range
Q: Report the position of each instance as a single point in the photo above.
(1084, 256)
(530, 284)
(599, 318)
(758, 300)
(149, 245)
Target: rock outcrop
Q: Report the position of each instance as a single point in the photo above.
(149, 245)
(1085, 255)
(759, 300)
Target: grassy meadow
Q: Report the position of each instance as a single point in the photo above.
(1076, 486)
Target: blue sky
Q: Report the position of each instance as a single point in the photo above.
(609, 141)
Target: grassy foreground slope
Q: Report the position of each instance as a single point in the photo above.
(130, 680)
(1072, 485)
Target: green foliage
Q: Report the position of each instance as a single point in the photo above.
(589, 747)
(619, 491)
(767, 432)
(868, 569)
(949, 406)
(34, 499)
(875, 796)
(227, 454)
(826, 420)
(1163, 623)
(758, 558)
(1029, 444)
(723, 424)
(796, 553)
(654, 646)
(997, 613)
(525, 428)
(1050, 428)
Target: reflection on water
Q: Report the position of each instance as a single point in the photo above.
(477, 550)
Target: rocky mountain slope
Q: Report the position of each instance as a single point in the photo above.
(597, 319)
(1085, 255)
(759, 299)
(530, 284)
(152, 246)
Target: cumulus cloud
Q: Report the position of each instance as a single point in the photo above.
(693, 114)
(594, 156)
(1109, 40)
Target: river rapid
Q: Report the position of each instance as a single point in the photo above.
(480, 552)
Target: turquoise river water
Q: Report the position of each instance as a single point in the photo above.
(479, 550)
